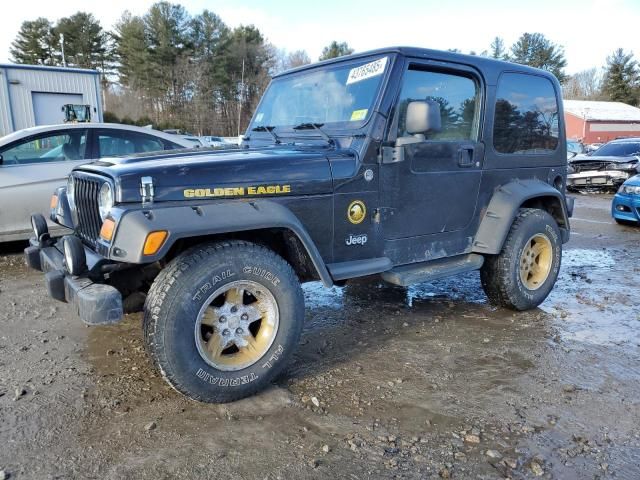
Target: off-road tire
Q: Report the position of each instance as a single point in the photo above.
(175, 299)
(500, 274)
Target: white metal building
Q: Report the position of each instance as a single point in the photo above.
(33, 95)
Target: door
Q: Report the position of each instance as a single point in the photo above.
(47, 107)
(430, 187)
(30, 171)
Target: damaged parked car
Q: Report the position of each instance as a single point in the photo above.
(607, 167)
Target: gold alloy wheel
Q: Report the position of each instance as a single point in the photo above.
(237, 325)
(535, 261)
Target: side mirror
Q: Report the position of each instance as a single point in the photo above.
(423, 116)
(1, 159)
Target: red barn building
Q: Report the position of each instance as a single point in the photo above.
(599, 122)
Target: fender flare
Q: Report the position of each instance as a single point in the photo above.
(62, 214)
(184, 221)
(503, 208)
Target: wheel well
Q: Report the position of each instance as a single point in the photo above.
(551, 205)
(281, 240)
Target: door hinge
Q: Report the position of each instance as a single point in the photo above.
(382, 213)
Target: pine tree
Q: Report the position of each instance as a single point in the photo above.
(132, 52)
(497, 49)
(335, 49)
(86, 44)
(35, 43)
(535, 50)
(621, 80)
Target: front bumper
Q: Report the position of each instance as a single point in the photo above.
(626, 207)
(95, 303)
(597, 178)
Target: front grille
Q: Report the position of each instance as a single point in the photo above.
(588, 166)
(86, 193)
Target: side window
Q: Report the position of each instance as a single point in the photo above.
(116, 143)
(50, 147)
(455, 96)
(170, 145)
(526, 117)
(147, 143)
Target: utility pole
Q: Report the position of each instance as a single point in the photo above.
(64, 62)
(241, 96)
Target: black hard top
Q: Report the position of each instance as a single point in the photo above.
(489, 66)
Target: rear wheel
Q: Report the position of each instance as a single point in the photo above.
(526, 269)
(221, 320)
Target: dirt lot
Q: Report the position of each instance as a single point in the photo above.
(423, 382)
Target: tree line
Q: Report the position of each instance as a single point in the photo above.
(193, 72)
(617, 81)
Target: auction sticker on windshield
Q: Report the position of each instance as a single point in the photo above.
(367, 70)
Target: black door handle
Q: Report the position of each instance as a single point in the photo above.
(465, 157)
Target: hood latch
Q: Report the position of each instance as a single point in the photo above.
(146, 189)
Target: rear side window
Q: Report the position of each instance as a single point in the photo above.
(114, 143)
(526, 117)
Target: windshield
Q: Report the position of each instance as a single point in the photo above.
(575, 147)
(340, 96)
(625, 149)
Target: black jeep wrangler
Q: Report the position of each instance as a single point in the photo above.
(405, 163)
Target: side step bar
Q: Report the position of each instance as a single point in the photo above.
(433, 270)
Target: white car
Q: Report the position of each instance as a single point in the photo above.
(216, 142)
(35, 161)
(194, 142)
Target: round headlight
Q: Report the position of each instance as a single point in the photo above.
(71, 197)
(105, 200)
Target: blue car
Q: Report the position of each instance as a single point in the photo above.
(626, 203)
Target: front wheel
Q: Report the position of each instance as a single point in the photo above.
(221, 320)
(526, 269)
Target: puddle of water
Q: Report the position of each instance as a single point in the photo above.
(585, 257)
(594, 301)
(466, 287)
(463, 287)
(316, 295)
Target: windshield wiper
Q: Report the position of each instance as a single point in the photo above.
(318, 127)
(267, 128)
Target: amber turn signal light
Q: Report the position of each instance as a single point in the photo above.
(106, 232)
(154, 241)
(54, 202)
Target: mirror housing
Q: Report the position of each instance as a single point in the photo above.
(423, 116)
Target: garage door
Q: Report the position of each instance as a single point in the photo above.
(47, 107)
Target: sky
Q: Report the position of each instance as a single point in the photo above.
(589, 30)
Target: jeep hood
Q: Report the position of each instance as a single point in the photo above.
(606, 159)
(210, 175)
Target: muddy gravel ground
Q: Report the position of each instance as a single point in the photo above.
(423, 382)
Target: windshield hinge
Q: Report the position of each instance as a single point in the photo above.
(391, 154)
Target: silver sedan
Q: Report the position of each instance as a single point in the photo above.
(35, 161)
